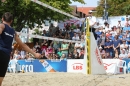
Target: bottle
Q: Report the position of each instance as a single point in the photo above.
(47, 66)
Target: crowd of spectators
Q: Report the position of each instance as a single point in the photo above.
(113, 42)
(58, 49)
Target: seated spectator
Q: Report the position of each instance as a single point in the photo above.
(67, 36)
(70, 56)
(44, 46)
(59, 53)
(75, 37)
(63, 57)
(81, 54)
(43, 56)
(77, 30)
(37, 45)
(75, 54)
(124, 46)
(102, 52)
(50, 50)
(123, 54)
(116, 54)
(16, 55)
(107, 28)
(108, 56)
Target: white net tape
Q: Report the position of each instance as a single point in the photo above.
(47, 38)
(57, 10)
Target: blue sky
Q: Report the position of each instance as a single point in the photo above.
(89, 3)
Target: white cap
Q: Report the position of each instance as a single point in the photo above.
(90, 11)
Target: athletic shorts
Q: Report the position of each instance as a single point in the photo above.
(4, 61)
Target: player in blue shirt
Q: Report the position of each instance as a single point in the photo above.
(7, 34)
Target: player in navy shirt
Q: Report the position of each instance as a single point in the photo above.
(7, 34)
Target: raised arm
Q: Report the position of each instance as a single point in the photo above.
(25, 47)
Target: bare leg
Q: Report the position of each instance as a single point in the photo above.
(1, 79)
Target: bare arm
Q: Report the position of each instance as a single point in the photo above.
(25, 47)
(2, 26)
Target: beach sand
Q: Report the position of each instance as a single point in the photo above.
(64, 79)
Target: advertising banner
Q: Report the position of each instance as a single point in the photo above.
(43, 65)
(75, 66)
(110, 65)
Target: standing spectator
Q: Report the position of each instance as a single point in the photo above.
(71, 33)
(71, 47)
(127, 23)
(109, 46)
(44, 33)
(52, 28)
(103, 37)
(116, 45)
(64, 48)
(22, 53)
(78, 47)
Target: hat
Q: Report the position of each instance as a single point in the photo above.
(90, 11)
(100, 47)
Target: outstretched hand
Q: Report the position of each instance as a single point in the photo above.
(37, 55)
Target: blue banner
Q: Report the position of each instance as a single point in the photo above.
(43, 65)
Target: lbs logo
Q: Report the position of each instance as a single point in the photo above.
(77, 66)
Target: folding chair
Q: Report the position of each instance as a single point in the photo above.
(12, 66)
(122, 64)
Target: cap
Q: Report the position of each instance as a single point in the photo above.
(90, 11)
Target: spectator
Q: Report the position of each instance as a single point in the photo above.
(63, 57)
(64, 48)
(123, 54)
(75, 37)
(116, 45)
(37, 45)
(108, 47)
(59, 53)
(78, 47)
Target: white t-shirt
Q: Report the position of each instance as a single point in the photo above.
(106, 29)
(92, 20)
(76, 38)
(77, 30)
(122, 56)
(78, 45)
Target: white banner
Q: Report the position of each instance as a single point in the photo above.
(75, 66)
(110, 65)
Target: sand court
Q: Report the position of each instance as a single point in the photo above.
(64, 79)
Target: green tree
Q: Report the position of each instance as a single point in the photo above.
(29, 13)
(116, 8)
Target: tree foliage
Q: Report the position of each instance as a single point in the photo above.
(29, 13)
(116, 8)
